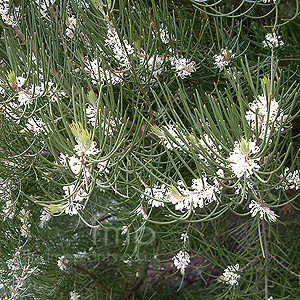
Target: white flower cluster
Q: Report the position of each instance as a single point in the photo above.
(17, 273)
(71, 25)
(45, 217)
(272, 41)
(154, 64)
(181, 261)
(230, 275)
(8, 18)
(107, 123)
(155, 195)
(76, 196)
(62, 263)
(264, 114)
(291, 179)
(73, 162)
(141, 211)
(120, 49)
(8, 208)
(240, 161)
(264, 211)
(200, 194)
(184, 237)
(43, 6)
(177, 140)
(103, 75)
(223, 59)
(24, 218)
(26, 94)
(74, 295)
(83, 149)
(164, 34)
(183, 66)
(36, 125)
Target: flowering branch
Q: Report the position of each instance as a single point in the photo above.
(21, 36)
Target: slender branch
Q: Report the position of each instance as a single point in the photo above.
(267, 258)
(94, 279)
(86, 286)
(281, 264)
(56, 286)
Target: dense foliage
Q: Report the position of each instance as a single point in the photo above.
(149, 150)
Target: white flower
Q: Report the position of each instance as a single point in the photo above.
(230, 275)
(62, 263)
(181, 261)
(141, 211)
(240, 162)
(164, 34)
(121, 50)
(45, 217)
(24, 98)
(20, 80)
(264, 114)
(8, 209)
(155, 195)
(264, 211)
(71, 23)
(8, 18)
(97, 73)
(177, 139)
(202, 193)
(75, 195)
(24, 218)
(36, 125)
(223, 59)
(184, 237)
(82, 149)
(272, 41)
(124, 230)
(2, 90)
(73, 162)
(183, 66)
(72, 208)
(291, 179)
(154, 64)
(43, 5)
(74, 295)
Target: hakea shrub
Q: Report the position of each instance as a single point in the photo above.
(150, 143)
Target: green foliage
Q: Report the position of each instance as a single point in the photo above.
(149, 150)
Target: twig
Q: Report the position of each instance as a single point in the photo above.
(94, 279)
(284, 266)
(267, 258)
(86, 286)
